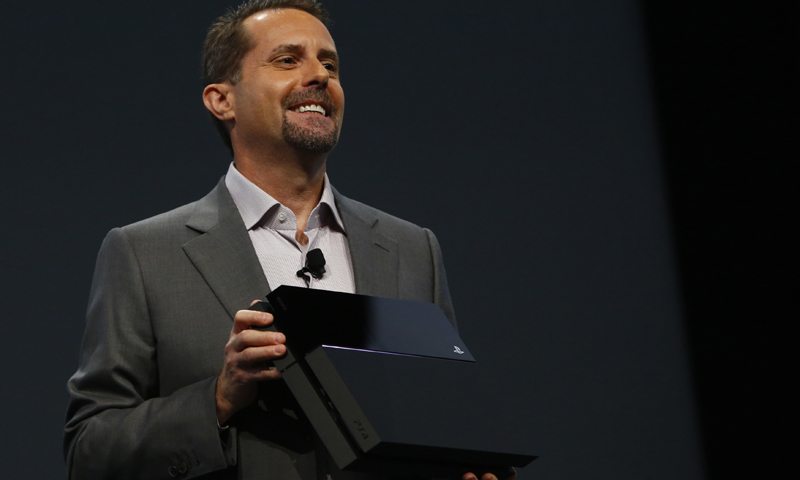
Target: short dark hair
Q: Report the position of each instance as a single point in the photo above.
(227, 43)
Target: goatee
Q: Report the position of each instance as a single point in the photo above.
(311, 140)
(315, 135)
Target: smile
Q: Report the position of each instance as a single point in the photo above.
(311, 108)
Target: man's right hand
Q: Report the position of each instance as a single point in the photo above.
(248, 356)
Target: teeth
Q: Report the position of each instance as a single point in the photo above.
(311, 108)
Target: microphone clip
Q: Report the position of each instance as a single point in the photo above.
(315, 265)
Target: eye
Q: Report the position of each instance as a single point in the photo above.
(286, 60)
(330, 66)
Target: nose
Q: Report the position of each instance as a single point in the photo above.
(316, 74)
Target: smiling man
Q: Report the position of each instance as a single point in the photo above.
(171, 366)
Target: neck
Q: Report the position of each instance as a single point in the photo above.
(295, 179)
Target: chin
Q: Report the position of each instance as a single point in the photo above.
(310, 141)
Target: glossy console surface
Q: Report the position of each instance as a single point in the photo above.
(386, 384)
(310, 318)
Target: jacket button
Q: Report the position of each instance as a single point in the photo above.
(173, 471)
(183, 468)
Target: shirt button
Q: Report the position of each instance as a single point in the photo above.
(282, 217)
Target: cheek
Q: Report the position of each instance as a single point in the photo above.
(268, 97)
(338, 96)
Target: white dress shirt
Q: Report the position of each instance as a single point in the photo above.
(272, 228)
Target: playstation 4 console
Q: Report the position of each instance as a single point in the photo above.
(385, 384)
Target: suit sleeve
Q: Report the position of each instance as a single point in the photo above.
(118, 426)
(441, 292)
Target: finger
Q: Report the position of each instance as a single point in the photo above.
(469, 476)
(258, 370)
(488, 476)
(252, 374)
(252, 360)
(242, 366)
(253, 316)
(266, 374)
(254, 338)
(245, 319)
(258, 356)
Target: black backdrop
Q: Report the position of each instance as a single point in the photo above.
(593, 170)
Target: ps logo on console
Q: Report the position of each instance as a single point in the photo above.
(457, 350)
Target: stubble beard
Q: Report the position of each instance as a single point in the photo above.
(310, 140)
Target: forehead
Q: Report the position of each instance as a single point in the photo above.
(270, 28)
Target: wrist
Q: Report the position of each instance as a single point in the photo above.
(224, 408)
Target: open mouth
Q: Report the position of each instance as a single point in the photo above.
(311, 107)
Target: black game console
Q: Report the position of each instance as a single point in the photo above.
(385, 383)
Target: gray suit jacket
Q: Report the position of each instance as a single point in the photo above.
(162, 300)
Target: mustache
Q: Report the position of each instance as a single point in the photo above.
(316, 96)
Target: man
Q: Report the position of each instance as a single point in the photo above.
(166, 387)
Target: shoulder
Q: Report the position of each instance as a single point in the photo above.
(184, 222)
(383, 222)
(167, 232)
(162, 223)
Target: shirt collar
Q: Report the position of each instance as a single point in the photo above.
(255, 205)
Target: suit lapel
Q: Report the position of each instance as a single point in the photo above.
(374, 256)
(223, 253)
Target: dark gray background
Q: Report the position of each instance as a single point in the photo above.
(598, 174)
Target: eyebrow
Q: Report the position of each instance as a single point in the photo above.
(298, 49)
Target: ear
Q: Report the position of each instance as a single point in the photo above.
(218, 99)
